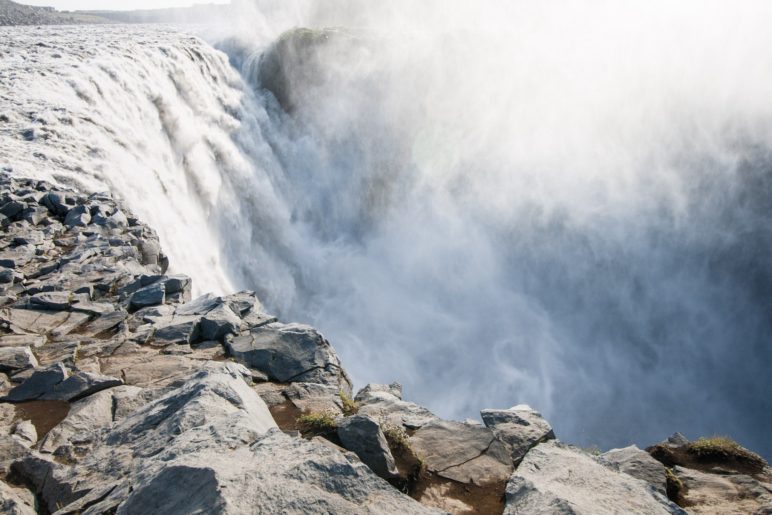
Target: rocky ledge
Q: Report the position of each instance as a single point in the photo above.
(122, 394)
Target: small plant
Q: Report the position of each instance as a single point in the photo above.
(350, 406)
(675, 487)
(317, 424)
(397, 438)
(724, 448)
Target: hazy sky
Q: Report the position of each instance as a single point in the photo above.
(117, 4)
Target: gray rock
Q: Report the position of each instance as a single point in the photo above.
(13, 208)
(243, 302)
(57, 203)
(290, 353)
(152, 295)
(363, 436)
(177, 330)
(78, 217)
(462, 452)
(54, 301)
(35, 215)
(84, 418)
(554, 478)
(520, 428)
(632, 460)
(200, 306)
(725, 493)
(380, 401)
(38, 384)
(16, 359)
(219, 322)
(80, 385)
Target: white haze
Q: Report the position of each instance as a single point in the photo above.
(563, 204)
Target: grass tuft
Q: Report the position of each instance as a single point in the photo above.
(350, 406)
(724, 448)
(317, 424)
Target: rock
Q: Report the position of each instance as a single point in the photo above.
(290, 353)
(385, 403)
(80, 385)
(730, 494)
(54, 301)
(102, 324)
(243, 302)
(462, 452)
(78, 217)
(152, 295)
(38, 384)
(16, 501)
(520, 427)
(638, 463)
(57, 203)
(25, 431)
(363, 436)
(13, 208)
(11, 449)
(209, 446)
(16, 359)
(177, 330)
(55, 383)
(84, 418)
(555, 478)
(200, 306)
(219, 322)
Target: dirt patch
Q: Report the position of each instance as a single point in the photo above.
(286, 415)
(460, 498)
(44, 415)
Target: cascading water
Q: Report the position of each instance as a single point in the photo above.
(556, 205)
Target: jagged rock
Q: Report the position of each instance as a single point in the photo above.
(11, 449)
(462, 452)
(385, 403)
(16, 359)
(22, 340)
(555, 478)
(219, 322)
(102, 324)
(290, 353)
(16, 501)
(78, 217)
(152, 295)
(520, 427)
(638, 463)
(200, 306)
(243, 302)
(363, 436)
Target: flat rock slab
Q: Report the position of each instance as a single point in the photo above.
(462, 452)
(555, 478)
(55, 384)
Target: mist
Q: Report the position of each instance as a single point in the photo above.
(560, 204)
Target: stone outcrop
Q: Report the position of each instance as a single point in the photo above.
(555, 478)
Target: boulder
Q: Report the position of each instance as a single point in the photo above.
(177, 330)
(730, 494)
(219, 322)
(555, 478)
(26, 433)
(638, 463)
(16, 359)
(290, 353)
(362, 435)
(520, 428)
(462, 452)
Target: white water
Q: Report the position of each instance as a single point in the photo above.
(556, 204)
